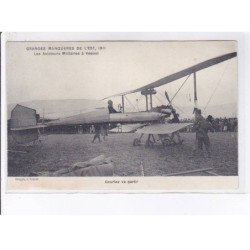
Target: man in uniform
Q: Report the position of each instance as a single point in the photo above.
(201, 127)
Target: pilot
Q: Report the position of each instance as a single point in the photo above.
(110, 107)
(201, 126)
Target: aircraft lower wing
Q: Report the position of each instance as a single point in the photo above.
(127, 128)
(161, 129)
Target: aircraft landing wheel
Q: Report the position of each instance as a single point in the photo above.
(166, 142)
(136, 142)
(149, 144)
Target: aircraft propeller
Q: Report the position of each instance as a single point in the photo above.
(169, 101)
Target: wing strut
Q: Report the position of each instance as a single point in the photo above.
(146, 96)
(123, 108)
(195, 92)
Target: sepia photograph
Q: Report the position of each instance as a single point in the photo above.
(138, 110)
(122, 109)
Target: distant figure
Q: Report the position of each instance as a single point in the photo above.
(225, 125)
(231, 124)
(110, 107)
(98, 128)
(235, 125)
(91, 129)
(221, 125)
(104, 131)
(210, 119)
(216, 125)
(201, 126)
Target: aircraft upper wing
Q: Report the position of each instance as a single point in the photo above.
(182, 73)
(161, 129)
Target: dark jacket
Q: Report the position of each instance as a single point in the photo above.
(111, 110)
(201, 127)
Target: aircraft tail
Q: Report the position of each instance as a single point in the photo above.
(23, 124)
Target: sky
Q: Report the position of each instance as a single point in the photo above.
(119, 67)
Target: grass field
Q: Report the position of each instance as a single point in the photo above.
(58, 151)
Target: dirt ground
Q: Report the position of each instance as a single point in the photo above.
(58, 151)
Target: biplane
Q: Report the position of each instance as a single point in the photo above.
(25, 127)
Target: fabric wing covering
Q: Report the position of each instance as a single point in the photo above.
(161, 129)
(182, 73)
(127, 128)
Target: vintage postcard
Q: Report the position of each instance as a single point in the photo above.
(116, 115)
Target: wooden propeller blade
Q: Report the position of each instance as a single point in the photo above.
(166, 94)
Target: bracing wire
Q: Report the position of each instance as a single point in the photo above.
(130, 102)
(180, 88)
(137, 100)
(218, 83)
(174, 105)
(177, 90)
(160, 101)
(174, 94)
(181, 110)
(162, 95)
(188, 92)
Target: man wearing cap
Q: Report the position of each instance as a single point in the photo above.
(201, 127)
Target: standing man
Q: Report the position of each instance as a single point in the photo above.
(104, 130)
(201, 127)
(210, 119)
(98, 128)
